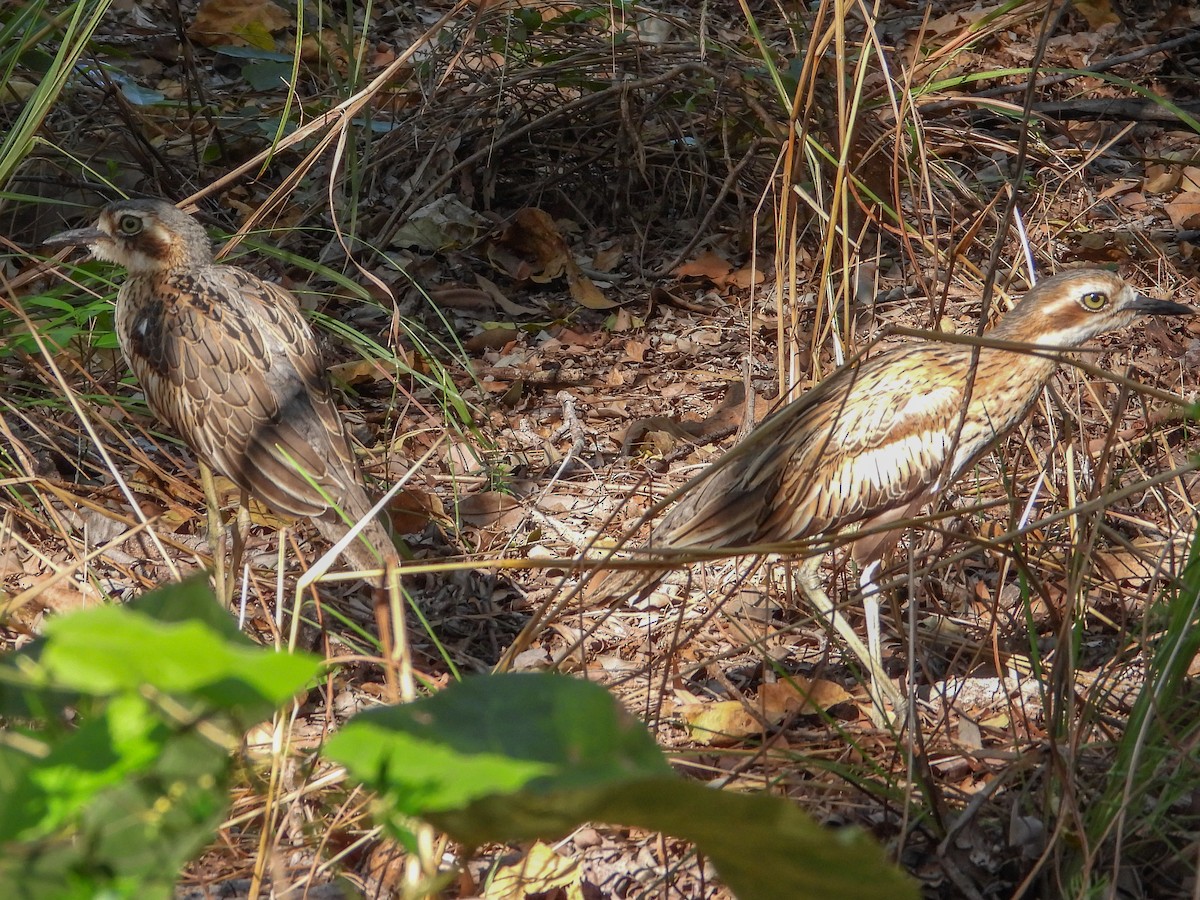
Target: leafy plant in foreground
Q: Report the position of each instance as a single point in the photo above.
(524, 756)
(161, 690)
(118, 796)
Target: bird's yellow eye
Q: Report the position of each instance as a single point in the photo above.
(1095, 300)
(129, 225)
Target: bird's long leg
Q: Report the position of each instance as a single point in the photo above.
(389, 614)
(869, 589)
(870, 600)
(881, 688)
(237, 553)
(222, 582)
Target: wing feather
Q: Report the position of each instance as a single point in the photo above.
(229, 362)
(860, 443)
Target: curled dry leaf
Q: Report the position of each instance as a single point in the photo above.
(635, 351)
(800, 696)
(535, 233)
(498, 296)
(623, 320)
(325, 46)
(747, 275)
(359, 371)
(717, 269)
(412, 509)
(440, 225)
(532, 247)
(707, 265)
(1097, 12)
(584, 290)
(490, 509)
(606, 260)
(1161, 178)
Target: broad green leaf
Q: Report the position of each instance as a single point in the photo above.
(102, 752)
(267, 75)
(115, 802)
(478, 738)
(519, 757)
(111, 648)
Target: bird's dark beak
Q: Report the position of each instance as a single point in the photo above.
(1151, 306)
(79, 237)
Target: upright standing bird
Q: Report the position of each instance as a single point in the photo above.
(228, 361)
(879, 438)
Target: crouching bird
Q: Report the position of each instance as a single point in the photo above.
(880, 438)
(230, 364)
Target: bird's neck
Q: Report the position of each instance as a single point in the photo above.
(1015, 371)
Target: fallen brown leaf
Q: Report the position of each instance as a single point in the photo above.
(584, 290)
(800, 695)
(1161, 178)
(635, 351)
(1097, 12)
(492, 290)
(238, 23)
(535, 240)
(707, 265)
(1184, 210)
(489, 508)
(746, 276)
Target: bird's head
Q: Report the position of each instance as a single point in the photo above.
(1071, 308)
(144, 236)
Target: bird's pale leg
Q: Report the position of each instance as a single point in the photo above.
(222, 582)
(868, 554)
(869, 588)
(809, 579)
(870, 600)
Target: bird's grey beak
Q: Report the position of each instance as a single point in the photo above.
(79, 237)
(1151, 306)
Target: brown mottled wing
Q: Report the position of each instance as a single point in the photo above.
(860, 443)
(228, 361)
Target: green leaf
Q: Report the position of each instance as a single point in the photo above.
(103, 752)
(256, 34)
(267, 75)
(115, 802)
(176, 641)
(254, 53)
(111, 825)
(477, 739)
(763, 846)
(190, 601)
(46, 301)
(518, 757)
(110, 649)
